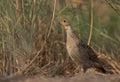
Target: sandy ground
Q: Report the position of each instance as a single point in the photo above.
(87, 77)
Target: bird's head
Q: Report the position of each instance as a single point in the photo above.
(65, 23)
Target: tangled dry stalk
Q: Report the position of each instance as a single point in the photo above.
(24, 43)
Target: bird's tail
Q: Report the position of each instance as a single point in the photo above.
(107, 65)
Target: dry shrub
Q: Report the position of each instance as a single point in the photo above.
(24, 45)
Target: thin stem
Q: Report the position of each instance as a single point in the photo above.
(112, 7)
(53, 16)
(91, 23)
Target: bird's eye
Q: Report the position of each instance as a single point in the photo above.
(64, 21)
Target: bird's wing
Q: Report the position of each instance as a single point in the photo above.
(92, 55)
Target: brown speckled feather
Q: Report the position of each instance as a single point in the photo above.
(90, 52)
(84, 56)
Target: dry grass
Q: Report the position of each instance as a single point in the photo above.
(32, 41)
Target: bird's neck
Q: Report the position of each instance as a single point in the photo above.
(69, 29)
(70, 32)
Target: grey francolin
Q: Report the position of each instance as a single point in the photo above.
(80, 53)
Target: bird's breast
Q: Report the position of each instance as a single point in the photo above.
(72, 48)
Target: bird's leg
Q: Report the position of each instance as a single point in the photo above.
(84, 69)
(81, 69)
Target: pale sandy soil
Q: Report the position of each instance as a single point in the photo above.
(87, 77)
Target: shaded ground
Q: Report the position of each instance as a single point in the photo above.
(91, 77)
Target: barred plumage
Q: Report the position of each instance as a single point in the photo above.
(80, 53)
